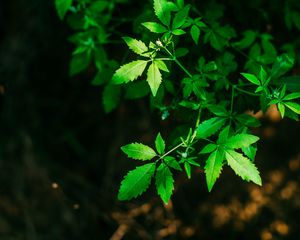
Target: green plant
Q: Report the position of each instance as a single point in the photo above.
(209, 85)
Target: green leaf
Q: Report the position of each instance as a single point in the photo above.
(171, 162)
(218, 110)
(281, 109)
(292, 96)
(129, 72)
(160, 144)
(154, 78)
(213, 167)
(263, 75)
(162, 12)
(195, 33)
(224, 134)
(247, 120)
(62, 6)
(282, 65)
(180, 17)
(187, 168)
(250, 151)
(249, 38)
(161, 65)
(242, 166)
(180, 3)
(136, 46)
(155, 27)
(295, 107)
(209, 127)
(79, 63)
(164, 182)
(178, 32)
(139, 151)
(296, 19)
(241, 140)
(111, 97)
(136, 182)
(209, 148)
(252, 78)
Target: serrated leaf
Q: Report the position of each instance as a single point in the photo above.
(208, 148)
(250, 151)
(209, 127)
(251, 78)
(292, 96)
(160, 144)
(224, 134)
(213, 167)
(136, 46)
(129, 72)
(139, 151)
(62, 6)
(111, 97)
(295, 107)
(162, 12)
(164, 182)
(136, 182)
(241, 140)
(263, 75)
(180, 17)
(155, 27)
(195, 33)
(154, 78)
(243, 167)
(171, 162)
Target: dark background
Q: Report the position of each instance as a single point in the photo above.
(60, 163)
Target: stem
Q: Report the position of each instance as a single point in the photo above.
(172, 150)
(246, 92)
(178, 63)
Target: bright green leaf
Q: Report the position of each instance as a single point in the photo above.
(136, 182)
(171, 162)
(292, 96)
(129, 72)
(136, 46)
(213, 167)
(243, 167)
(295, 107)
(155, 27)
(164, 182)
(160, 144)
(209, 127)
(139, 151)
(180, 17)
(154, 78)
(241, 140)
(162, 12)
(209, 148)
(252, 78)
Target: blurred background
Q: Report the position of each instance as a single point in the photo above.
(60, 162)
